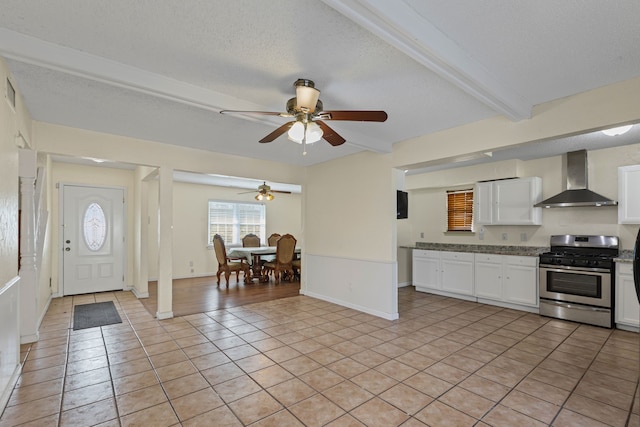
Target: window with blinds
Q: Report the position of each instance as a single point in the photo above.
(233, 221)
(460, 210)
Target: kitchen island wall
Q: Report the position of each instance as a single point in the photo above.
(427, 201)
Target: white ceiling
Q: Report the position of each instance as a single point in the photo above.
(162, 69)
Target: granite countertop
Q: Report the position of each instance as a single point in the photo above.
(485, 249)
(625, 255)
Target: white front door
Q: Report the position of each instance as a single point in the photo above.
(93, 239)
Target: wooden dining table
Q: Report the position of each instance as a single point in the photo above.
(253, 256)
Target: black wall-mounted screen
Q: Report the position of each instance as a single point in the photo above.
(402, 204)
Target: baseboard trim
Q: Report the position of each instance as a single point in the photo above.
(139, 294)
(164, 315)
(28, 339)
(388, 316)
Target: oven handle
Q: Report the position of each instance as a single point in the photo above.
(562, 268)
(576, 306)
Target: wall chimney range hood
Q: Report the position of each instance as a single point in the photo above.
(576, 193)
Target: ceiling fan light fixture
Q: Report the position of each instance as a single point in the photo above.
(617, 130)
(264, 196)
(307, 95)
(296, 133)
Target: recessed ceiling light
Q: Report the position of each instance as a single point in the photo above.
(617, 130)
(93, 159)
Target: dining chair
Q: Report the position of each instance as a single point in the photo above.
(251, 241)
(229, 265)
(273, 239)
(285, 249)
(297, 267)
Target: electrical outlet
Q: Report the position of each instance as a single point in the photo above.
(504, 236)
(422, 235)
(523, 237)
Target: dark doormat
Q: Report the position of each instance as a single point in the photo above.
(96, 314)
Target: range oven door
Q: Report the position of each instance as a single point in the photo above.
(576, 285)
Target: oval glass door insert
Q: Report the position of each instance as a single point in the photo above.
(94, 227)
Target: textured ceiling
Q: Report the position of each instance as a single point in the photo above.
(162, 69)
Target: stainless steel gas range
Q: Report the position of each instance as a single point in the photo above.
(577, 279)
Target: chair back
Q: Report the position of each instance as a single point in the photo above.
(221, 250)
(285, 249)
(251, 241)
(273, 239)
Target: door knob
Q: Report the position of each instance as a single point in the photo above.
(67, 249)
(68, 241)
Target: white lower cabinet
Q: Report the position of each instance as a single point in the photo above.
(521, 280)
(627, 306)
(488, 276)
(426, 270)
(443, 273)
(506, 280)
(457, 272)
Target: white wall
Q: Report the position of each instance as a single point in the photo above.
(362, 184)
(350, 233)
(427, 211)
(61, 140)
(589, 111)
(594, 110)
(44, 273)
(190, 240)
(55, 139)
(190, 218)
(68, 173)
(12, 123)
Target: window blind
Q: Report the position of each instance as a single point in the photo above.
(460, 210)
(232, 221)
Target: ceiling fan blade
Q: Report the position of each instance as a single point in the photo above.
(354, 115)
(330, 135)
(276, 133)
(261, 113)
(280, 191)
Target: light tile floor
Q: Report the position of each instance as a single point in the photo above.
(301, 361)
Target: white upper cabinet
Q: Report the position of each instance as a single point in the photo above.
(629, 194)
(508, 202)
(483, 206)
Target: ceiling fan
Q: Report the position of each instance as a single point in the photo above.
(309, 125)
(265, 192)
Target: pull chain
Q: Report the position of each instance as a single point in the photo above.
(304, 141)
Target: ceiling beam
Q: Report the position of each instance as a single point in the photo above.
(400, 25)
(34, 51)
